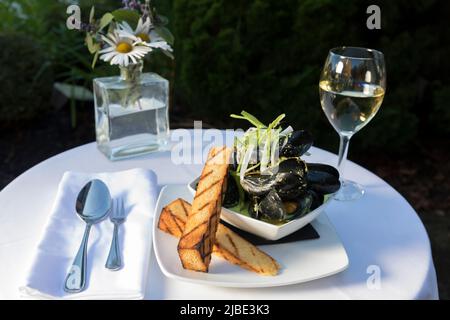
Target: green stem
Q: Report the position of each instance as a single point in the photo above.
(73, 113)
(132, 75)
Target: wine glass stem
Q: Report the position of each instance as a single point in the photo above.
(343, 150)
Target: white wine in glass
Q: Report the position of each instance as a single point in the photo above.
(351, 87)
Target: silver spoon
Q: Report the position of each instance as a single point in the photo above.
(93, 205)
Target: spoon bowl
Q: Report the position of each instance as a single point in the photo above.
(93, 202)
(92, 206)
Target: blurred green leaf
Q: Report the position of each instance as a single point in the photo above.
(92, 46)
(106, 20)
(92, 14)
(165, 33)
(94, 61)
(162, 20)
(74, 92)
(168, 54)
(129, 16)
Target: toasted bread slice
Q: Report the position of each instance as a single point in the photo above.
(228, 245)
(196, 242)
(237, 250)
(174, 216)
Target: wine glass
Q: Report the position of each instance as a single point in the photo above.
(352, 87)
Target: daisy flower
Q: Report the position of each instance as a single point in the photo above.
(123, 48)
(146, 33)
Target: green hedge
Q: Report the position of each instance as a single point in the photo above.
(26, 79)
(266, 57)
(259, 55)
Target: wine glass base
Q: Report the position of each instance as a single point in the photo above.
(349, 191)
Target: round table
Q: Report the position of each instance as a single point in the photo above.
(387, 245)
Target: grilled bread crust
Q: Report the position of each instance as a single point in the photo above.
(196, 242)
(228, 245)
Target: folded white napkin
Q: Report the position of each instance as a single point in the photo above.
(64, 231)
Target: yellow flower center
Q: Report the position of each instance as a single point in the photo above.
(124, 47)
(144, 37)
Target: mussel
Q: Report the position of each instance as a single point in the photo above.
(289, 181)
(322, 178)
(317, 199)
(292, 187)
(291, 178)
(298, 207)
(257, 184)
(294, 190)
(273, 208)
(293, 165)
(298, 143)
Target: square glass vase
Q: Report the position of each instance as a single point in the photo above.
(131, 113)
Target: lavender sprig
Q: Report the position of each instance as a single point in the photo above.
(144, 8)
(132, 4)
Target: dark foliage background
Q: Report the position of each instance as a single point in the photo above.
(266, 57)
(259, 55)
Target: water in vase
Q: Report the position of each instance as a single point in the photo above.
(131, 119)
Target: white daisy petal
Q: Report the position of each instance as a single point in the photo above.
(139, 27)
(127, 32)
(113, 61)
(108, 41)
(126, 60)
(139, 42)
(125, 26)
(161, 45)
(113, 36)
(143, 53)
(147, 25)
(143, 27)
(116, 59)
(120, 60)
(108, 56)
(108, 49)
(133, 59)
(139, 49)
(129, 37)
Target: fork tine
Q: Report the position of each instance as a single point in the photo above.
(122, 208)
(114, 208)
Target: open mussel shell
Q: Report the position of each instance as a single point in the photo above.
(293, 165)
(257, 184)
(299, 207)
(299, 142)
(289, 181)
(292, 186)
(322, 178)
(317, 199)
(272, 207)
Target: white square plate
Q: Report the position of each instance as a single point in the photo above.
(300, 261)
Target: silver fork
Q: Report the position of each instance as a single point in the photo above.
(117, 217)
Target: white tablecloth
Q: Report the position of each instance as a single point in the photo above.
(381, 233)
